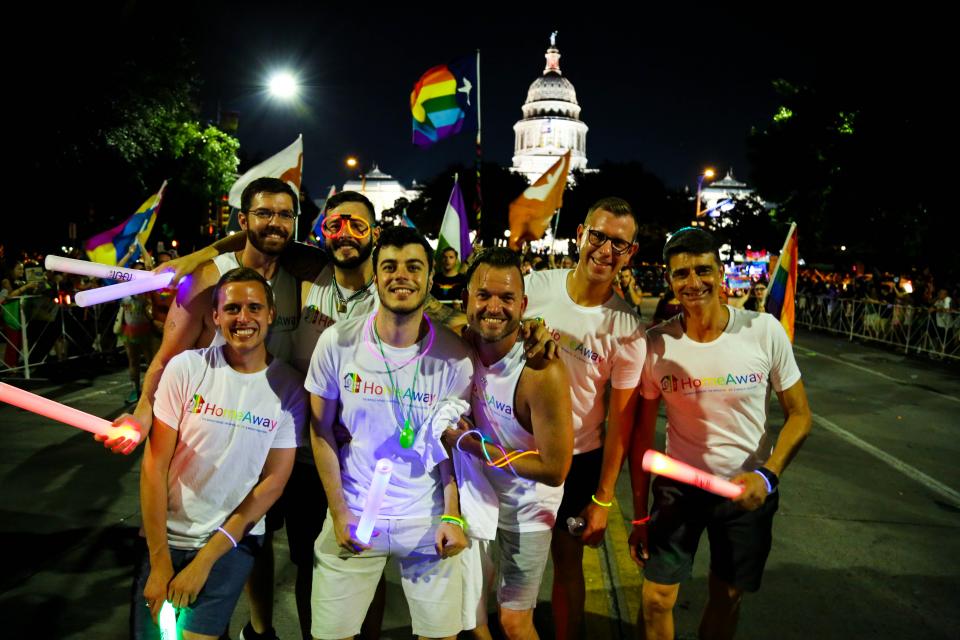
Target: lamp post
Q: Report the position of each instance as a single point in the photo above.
(709, 173)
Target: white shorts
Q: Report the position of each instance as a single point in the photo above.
(523, 559)
(478, 569)
(344, 583)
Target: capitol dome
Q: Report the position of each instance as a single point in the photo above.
(551, 123)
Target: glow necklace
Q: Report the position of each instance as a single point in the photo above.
(431, 336)
(407, 432)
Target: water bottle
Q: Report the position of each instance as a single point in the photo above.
(576, 525)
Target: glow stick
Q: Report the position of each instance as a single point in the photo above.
(167, 621)
(116, 291)
(371, 508)
(62, 413)
(656, 462)
(92, 269)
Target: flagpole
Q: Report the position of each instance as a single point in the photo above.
(479, 150)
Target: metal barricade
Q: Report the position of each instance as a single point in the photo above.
(52, 328)
(913, 329)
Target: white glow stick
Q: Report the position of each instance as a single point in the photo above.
(371, 508)
(656, 462)
(116, 291)
(93, 269)
(167, 621)
(62, 413)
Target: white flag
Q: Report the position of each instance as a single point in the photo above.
(286, 165)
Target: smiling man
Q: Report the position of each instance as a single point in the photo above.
(390, 378)
(226, 424)
(713, 366)
(601, 340)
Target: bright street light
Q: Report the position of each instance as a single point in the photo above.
(283, 85)
(709, 173)
(352, 162)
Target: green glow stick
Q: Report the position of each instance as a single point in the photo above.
(168, 622)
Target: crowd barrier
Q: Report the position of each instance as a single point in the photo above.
(52, 329)
(918, 330)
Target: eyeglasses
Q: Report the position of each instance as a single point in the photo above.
(333, 227)
(619, 246)
(266, 215)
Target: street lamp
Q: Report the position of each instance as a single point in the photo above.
(709, 173)
(351, 162)
(283, 85)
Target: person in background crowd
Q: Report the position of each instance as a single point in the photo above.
(755, 298)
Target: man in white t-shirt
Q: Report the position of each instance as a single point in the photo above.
(522, 407)
(392, 379)
(227, 422)
(713, 365)
(601, 341)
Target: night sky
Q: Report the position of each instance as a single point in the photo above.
(674, 88)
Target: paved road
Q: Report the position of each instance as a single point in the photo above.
(866, 542)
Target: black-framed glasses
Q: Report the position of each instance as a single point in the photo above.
(598, 238)
(266, 215)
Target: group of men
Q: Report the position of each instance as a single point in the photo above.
(494, 444)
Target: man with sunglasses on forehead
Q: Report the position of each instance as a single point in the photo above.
(601, 340)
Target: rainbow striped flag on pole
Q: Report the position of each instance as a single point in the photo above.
(110, 246)
(781, 293)
(444, 101)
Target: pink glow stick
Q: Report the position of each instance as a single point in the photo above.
(656, 462)
(92, 269)
(62, 413)
(116, 291)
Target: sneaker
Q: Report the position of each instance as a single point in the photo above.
(133, 397)
(247, 633)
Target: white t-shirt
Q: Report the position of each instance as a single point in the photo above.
(347, 366)
(227, 422)
(320, 312)
(286, 292)
(597, 344)
(716, 392)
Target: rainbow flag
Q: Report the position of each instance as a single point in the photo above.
(110, 246)
(782, 290)
(444, 101)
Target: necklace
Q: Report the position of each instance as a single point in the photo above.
(342, 300)
(407, 432)
(431, 335)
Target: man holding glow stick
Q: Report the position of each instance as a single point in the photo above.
(522, 409)
(713, 366)
(227, 421)
(391, 374)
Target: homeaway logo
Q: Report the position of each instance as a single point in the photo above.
(229, 416)
(730, 381)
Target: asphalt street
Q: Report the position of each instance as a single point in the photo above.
(866, 540)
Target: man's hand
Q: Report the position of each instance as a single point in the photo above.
(345, 529)
(187, 584)
(754, 491)
(538, 340)
(638, 544)
(120, 443)
(452, 434)
(185, 265)
(596, 519)
(450, 540)
(155, 590)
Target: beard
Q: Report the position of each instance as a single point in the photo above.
(260, 243)
(405, 308)
(363, 253)
(509, 326)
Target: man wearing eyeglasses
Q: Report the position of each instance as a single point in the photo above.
(601, 340)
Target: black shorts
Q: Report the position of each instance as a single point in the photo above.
(303, 506)
(581, 483)
(739, 540)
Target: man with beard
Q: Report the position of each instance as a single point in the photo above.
(268, 214)
(522, 409)
(392, 379)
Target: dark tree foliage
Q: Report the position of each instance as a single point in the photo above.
(854, 161)
(113, 119)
